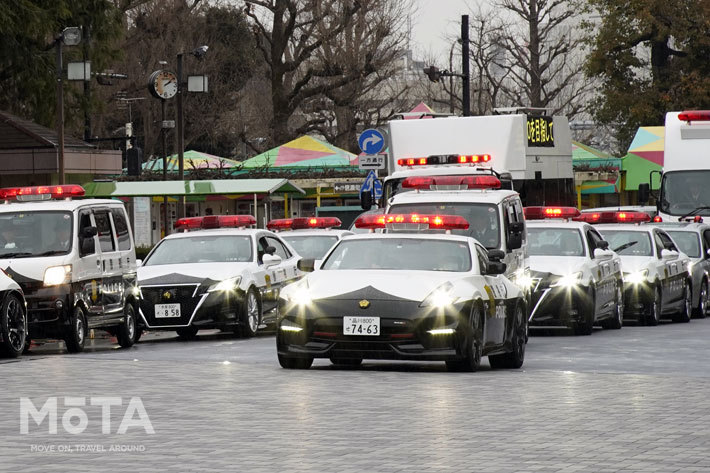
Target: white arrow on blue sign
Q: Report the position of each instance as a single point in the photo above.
(371, 182)
(371, 141)
(378, 188)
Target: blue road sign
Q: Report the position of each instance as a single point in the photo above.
(371, 141)
(369, 182)
(378, 188)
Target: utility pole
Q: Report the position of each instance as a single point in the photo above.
(87, 86)
(181, 136)
(465, 63)
(60, 111)
(165, 164)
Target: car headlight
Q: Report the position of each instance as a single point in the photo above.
(569, 280)
(524, 281)
(440, 297)
(299, 294)
(55, 275)
(225, 285)
(636, 277)
(289, 326)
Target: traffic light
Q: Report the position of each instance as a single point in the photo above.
(433, 73)
(134, 160)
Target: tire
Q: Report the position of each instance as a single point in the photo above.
(75, 335)
(187, 333)
(586, 325)
(617, 320)
(515, 358)
(28, 345)
(701, 310)
(139, 334)
(291, 363)
(653, 314)
(352, 362)
(687, 310)
(250, 316)
(13, 326)
(126, 333)
(473, 350)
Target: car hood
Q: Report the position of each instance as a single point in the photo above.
(374, 284)
(189, 273)
(558, 265)
(632, 264)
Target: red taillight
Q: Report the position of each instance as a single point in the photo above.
(215, 221)
(539, 213)
(316, 222)
(694, 116)
(459, 182)
(443, 222)
(55, 192)
(279, 224)
(657, 218)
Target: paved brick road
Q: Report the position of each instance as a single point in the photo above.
(629, 400)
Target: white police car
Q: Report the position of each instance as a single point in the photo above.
(404, 296)
(311, 237)
(656, 278)
(576, 280)
(75, 261)
(693, 239)
(223, 276)
(13, 317)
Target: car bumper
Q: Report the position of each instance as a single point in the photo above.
(48, 309)
(556, 306)
(637, 297)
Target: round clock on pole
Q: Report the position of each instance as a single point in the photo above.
(163, 84)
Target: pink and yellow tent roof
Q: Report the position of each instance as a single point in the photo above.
(645, 155)
(191, 160)
(304, 152)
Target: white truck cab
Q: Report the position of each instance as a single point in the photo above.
(75, 261)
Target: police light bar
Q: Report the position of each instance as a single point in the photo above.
(452, 182)
(445, 159)
(541, 213)
(614, 217)
(41, 192)
(279, 224)
(214, 221)
(315, 222)
(694, 116)
(440, 222)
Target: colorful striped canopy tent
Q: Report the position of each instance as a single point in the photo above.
(602, 168)
(191, 160)
(645, 155)
(301, 153)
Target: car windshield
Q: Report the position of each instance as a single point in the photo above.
(202, 249)
(629, 243)
(30, 234)
(404, 254)
(689, 242)
(555, 242)
(482, 219)
(311, 246)
(683, 192)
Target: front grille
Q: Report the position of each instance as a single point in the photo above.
(187, 296)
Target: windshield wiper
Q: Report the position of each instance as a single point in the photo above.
(624, 246)
(18, 254)
(690, 214)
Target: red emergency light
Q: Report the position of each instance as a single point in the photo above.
(316, 222)
(437, 159)
(694, 116)
(614, 217)
(541, 213)
(280, 224)
(449, 182)
(49, 192)
(657, 218)
(440, 222)
(214, 221)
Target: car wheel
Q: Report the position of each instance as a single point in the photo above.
(346, 361)
(250, 318)
(653, 314)
(76, 331)
(292, 363)
(515, 358)
(687, 309)
(473, 350)
(13, 326)
(617, 319)
(126, 332)
(701, 310)
(187, 333)
(139, 333)
(585, 325)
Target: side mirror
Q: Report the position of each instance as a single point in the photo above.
(514, 241)
(603, 253)
(89, 232)
(668, 254)
(496, 255)
(270, 250)
(88, 247)
(307, 265)
(603, 244)
(366, 200)
(271, 260)
(496, 267)
(644, 193)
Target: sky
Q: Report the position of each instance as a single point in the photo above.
(433, 21)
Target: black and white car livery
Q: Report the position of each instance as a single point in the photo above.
(311, 237)
(222, 276)
(404, 296)
(576, 280)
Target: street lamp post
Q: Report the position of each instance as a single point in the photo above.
(70, 36)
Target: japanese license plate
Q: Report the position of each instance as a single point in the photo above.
(361, 326)
(164, 311)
